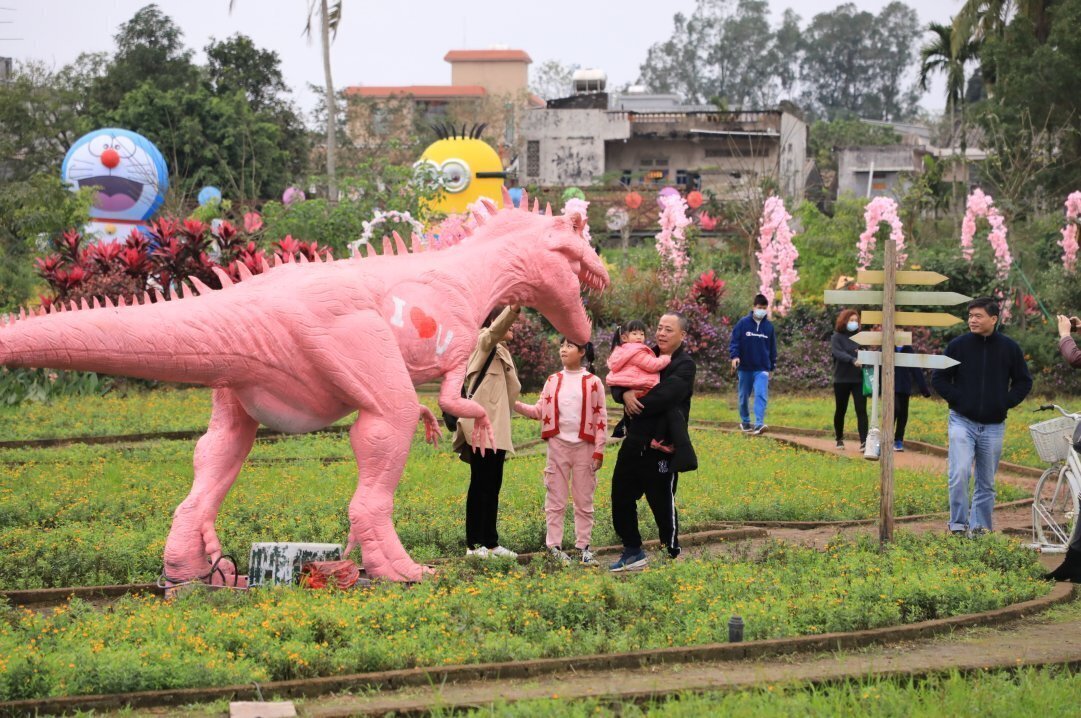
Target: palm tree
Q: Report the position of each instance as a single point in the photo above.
(980, 19)
(943, 55)
(329, 18)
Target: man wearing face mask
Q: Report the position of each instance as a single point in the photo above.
(753, 351)
(991, 379)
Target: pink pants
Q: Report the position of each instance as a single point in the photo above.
(570, 464)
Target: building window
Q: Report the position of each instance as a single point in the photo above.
(532, 158)
(681, 178)
(625, 178)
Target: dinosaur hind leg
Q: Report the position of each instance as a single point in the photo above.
(219, 454)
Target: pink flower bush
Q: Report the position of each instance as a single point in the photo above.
(777, 258)
(981, 205)
(1069, 232)
(879, 210)
(671, 243)
(579, 206)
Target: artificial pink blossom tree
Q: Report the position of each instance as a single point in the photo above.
(671, 242)
(1069, 232)
(879, 210)
(981, 205)
(777, 257)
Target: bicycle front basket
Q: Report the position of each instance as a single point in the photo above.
(1053, 438)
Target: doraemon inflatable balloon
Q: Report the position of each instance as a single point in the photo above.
(130, 175)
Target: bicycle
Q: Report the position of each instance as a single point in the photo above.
(1055, 500)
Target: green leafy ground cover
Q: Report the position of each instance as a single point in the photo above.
(477, 611)
(92, 515)
(1001, 694)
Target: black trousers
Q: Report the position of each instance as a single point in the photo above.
(482, 500)
(900, 414)
(640, 470)
(841, 392)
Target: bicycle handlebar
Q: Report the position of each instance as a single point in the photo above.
(1048, 407)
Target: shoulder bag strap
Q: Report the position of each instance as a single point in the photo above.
(480, 376)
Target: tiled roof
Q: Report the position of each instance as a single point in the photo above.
(487, 56)
(421, 92)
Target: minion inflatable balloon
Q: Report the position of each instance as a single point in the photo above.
(466, 167)
(129, 173)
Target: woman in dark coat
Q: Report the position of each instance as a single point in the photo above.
(1070, 569)
(847, 376)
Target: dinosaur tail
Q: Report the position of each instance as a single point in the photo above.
(160, 341)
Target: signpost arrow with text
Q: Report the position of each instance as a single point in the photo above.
(874, 296)
(874, 339)
(912, 319)
(916, 361)
(877, 276)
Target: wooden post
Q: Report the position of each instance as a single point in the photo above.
(889, 291)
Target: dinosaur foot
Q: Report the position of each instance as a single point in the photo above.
(378, 563)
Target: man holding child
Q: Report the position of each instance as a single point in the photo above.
(640, 468)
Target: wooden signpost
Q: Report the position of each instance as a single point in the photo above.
(886, 362)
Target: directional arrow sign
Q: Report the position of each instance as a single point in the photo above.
(877, 276)
(874, 296)
(912, 319)
(916, 361)
(874, 339)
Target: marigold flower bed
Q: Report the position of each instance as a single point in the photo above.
(92, 515)
(479, 612)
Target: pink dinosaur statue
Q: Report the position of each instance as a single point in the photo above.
(301, 345)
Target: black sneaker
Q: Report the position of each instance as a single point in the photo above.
(840, 445)
(863, 446)
(632, 559)
(959, 533)
(745, 427)
(759, 429)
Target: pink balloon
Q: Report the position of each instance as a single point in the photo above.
(666, 192)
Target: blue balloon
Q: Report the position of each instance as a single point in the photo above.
(515, 195)
(208, 195)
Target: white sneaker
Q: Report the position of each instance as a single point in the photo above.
(558, 554)
(479, 552)
(587, 557)
(502, 552)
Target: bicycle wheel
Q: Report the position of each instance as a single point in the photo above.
(1054, 509)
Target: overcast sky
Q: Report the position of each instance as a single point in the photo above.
(398, 42)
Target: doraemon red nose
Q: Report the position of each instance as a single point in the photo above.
(110, 158)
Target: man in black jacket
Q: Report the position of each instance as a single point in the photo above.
(991, 379)
(641, 469)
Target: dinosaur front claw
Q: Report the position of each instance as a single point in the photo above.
(432, 432)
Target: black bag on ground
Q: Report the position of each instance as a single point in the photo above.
(450, 419)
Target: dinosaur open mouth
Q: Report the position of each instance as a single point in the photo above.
(115, 194)
(591, 281)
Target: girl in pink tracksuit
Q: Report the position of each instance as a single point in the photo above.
(574, 420)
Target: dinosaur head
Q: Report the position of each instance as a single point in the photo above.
(561, 264)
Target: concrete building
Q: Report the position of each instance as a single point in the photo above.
(649, 140)
(876, 170)
(487, 86)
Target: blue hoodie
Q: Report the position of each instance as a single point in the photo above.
(754, 344)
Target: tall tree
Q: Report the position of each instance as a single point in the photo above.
(552, 79)
(856, 64)
(149, 48)
(236, 64)
(724, 52)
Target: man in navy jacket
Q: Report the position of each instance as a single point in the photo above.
(991, 379)
(753, 350)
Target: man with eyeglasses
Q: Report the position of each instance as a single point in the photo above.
(991, 379)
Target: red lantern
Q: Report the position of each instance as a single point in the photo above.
(694, 199)
(633, 200)
(706, 222)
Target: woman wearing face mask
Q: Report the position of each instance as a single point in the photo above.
(847, 376)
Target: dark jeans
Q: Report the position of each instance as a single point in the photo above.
(841, 392)
(640, 470)
(482, 500)
(900, 414)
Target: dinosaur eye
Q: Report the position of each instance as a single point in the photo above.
(456, 175)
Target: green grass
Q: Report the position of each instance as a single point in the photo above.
(495, 611)
(91, 515)
(999, 694)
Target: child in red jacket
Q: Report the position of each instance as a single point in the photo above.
(573, 419)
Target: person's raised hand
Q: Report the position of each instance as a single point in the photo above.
(1064, 325)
